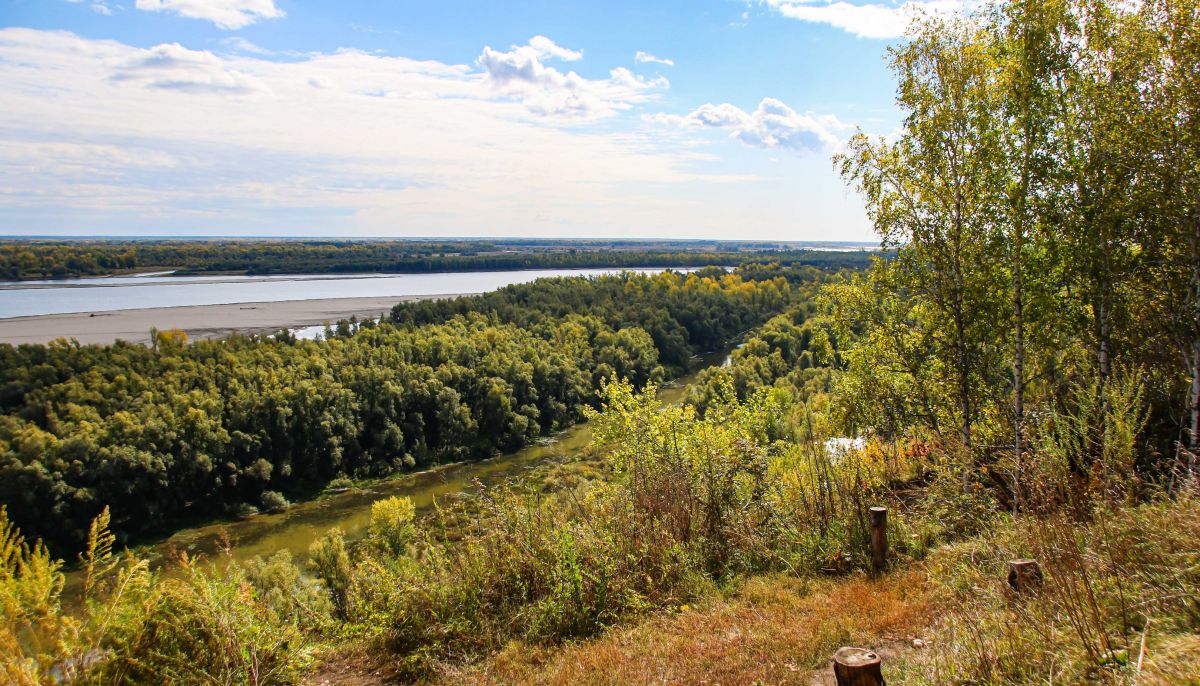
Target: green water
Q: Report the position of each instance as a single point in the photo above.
(296, 529)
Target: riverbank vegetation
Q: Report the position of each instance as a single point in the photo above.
(1022, 381)
(181, 430)
(51, 259)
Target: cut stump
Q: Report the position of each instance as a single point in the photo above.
(857, 667)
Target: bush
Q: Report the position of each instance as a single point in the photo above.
(331, 562)
(694, 502)
(1134, 572)
(130, 626)
(288, 595)
(273, 501)
(244, 511)
(392, 524)
(208, 627)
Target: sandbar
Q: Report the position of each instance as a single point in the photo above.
(199, 321)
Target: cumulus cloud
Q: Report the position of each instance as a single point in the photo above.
(171, 66)
(644, 57)
(872, 20)
(521, 73)
(226, 14)
(772, 125)
(100, 134)
(545, 47)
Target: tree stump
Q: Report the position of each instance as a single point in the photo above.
(1024, 576)
(857, 667)
(879, 541)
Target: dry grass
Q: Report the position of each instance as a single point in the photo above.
(774, 630)
(1177, 663)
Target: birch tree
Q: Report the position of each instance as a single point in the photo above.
(933, 194)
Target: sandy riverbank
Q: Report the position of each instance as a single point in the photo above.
(201, 321)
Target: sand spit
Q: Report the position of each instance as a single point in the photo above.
(200, 321)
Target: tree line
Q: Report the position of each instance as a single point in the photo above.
(58, 259)
(181, 430)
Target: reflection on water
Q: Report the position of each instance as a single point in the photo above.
(728, 361)
(296, 529)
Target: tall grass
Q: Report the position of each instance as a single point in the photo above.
(694, 503)
(128, 625)
(1120, 557)
(688, 506)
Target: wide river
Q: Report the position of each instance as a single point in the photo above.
(104, 294)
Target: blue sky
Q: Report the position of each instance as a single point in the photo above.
(690, 119)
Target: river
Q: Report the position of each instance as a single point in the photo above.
(150, 291)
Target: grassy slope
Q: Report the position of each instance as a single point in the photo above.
(773, 630)
(945, 619)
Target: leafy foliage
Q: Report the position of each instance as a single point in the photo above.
(128, 625)
(180, 429)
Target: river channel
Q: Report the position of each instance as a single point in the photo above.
(106, 294)
(295, 529)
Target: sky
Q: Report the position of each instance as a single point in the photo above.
(549, 118)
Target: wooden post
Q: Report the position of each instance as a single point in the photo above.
(879, 542)
(857, 667)
(1024, 576)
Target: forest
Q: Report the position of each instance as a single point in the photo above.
(1017, 384)
(46, 259)
(184, 430)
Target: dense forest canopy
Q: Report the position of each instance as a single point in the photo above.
(43, 259)
(185, 429)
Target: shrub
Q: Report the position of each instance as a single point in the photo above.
(288, 595)
(703, 479)
(273, 501)
(208, 627)
(244, 511)
(331, 562)
(1130, 573)
(392, 524)
(130, 626)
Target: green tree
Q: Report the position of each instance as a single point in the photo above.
(934, 195)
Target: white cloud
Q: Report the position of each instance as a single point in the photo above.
(644, 57)
(521, 74)
(98, 6)
(239, 44)
(872, 20)
(545, 47)
(97, 133)
(772, 125)
(171, 66)
(226, 14)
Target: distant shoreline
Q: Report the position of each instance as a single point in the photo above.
(199, 321)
